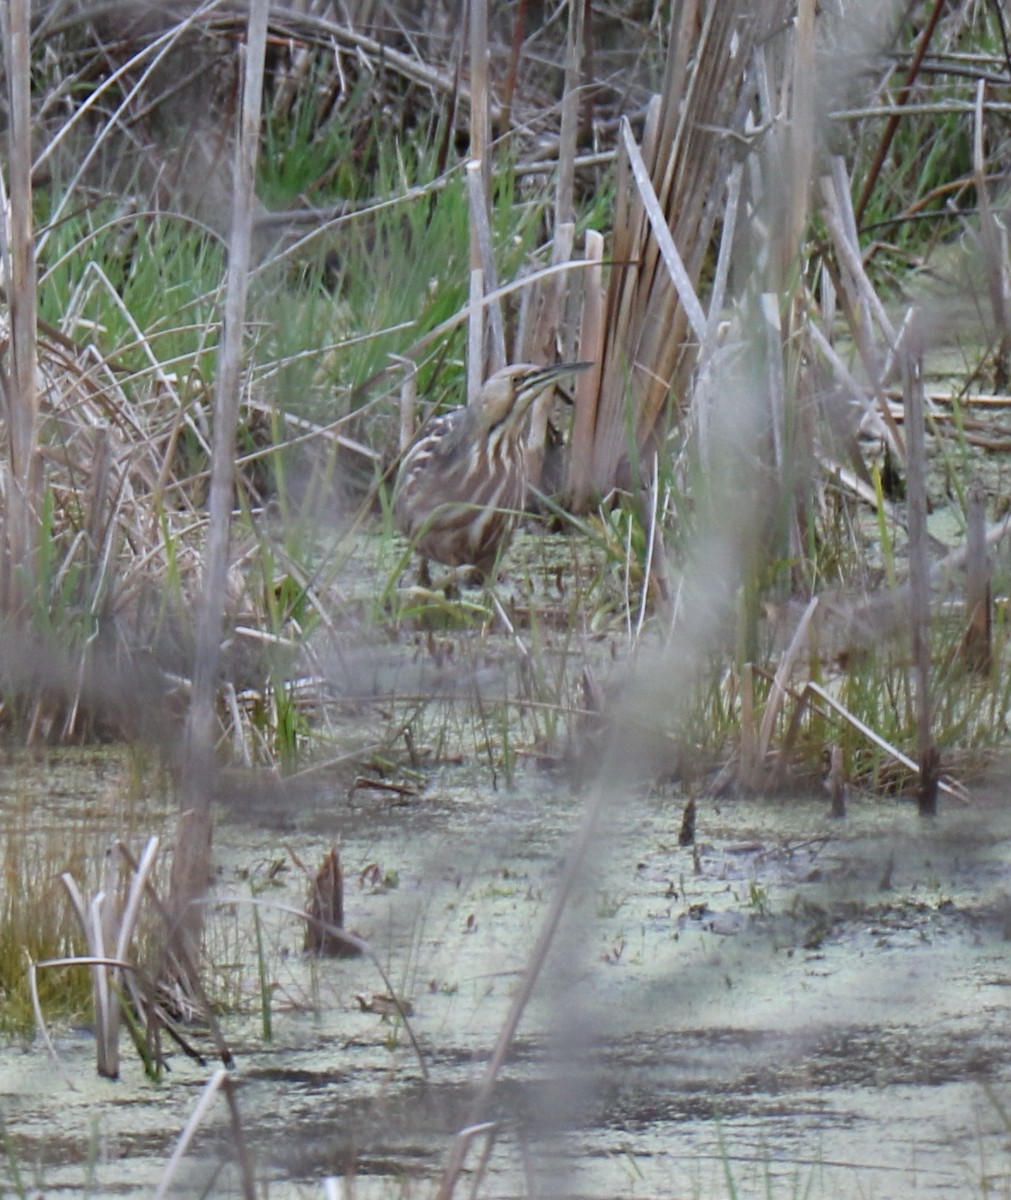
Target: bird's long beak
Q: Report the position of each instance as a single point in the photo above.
(547, 374)
(538, 380)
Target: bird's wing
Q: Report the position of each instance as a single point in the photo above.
(437, 442)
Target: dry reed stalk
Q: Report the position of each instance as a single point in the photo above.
(483, 259)
(108, 930)
(860, 300)
(191, 865)
(749, 764)
(768, 304)
(655, 576)
(480, 107)
(575, 49)
(837, 783)
(475, 334)
(545, 327)
(919, 574)
(785, 303)
(777, 695)
(653, 326)
(591, 339)
(239, 1144)
(408, 404)
(189, 970)
(515, 49)
(542, 333)
(814, 691)
(841, 219)
(707, 376)
(18, 382)
(803, 115)
(977, 642)
(480, 114)
(482, 263)
(875, 414)
(993, 242)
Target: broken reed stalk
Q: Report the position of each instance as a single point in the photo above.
(837, 783)
(666, 247)
(408, 404)
(480, 99)
(325, 911)
(919, 574)
(18, 551)
(475, 335)
(191, 866)
(841, 220)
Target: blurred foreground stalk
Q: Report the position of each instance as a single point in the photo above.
(191, 867)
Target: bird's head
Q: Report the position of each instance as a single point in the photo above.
(508, 394)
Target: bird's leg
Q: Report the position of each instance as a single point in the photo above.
(450, 583)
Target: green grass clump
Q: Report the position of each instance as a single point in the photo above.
(36, 923)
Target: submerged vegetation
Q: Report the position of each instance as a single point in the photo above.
(235, 286)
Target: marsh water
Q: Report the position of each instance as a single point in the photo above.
(795, 1007)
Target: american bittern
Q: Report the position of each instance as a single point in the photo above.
(463, 483)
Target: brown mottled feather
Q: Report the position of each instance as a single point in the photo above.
(463, 483)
